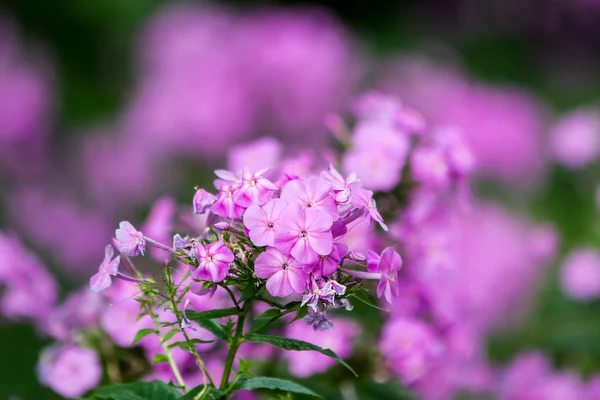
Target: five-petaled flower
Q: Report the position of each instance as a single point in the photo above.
(101, 280)
(213, 261)
(285, 274)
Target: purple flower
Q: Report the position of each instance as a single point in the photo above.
(304, 233)
(327, 265)
(262, 222)
(214, 261)
(363, 199)
(203, 201)
(318, 321)
(132, 242)
(339, 184)
(255, 189)
(312, 193)
(70, 371)
(180, 243)
(101, 280)
(389, 265)
(225, 206)
(319, 291)
(580, 275)
(284, 273)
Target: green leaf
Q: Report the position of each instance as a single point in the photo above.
(248, 292)
(142, 333)
(270, 313)
(213, 393)
(160, 358)
(154, 390)
(205, 320)
(300, 314)
(169, 335)
(297, 345)
(184, 345)
(274, 384)
(211, 314)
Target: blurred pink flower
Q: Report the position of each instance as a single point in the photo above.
(576, 138)
(303, 363)
(580, 274)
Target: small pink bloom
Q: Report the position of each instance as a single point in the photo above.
(132, 242)
(101, 280)
(225, 206)
(363, 199)
(327, 265)
(203, 201)
(214, 261)
(389, 265)
(580, 274)
(284, 273)
(312, 193)
(339, 184)
(70, 371)
(255, 189)
(262, 222)
(304, 233)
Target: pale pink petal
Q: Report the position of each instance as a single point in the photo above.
(255, 216)
(317, 188)
(108, 253)
(268, 263)
(262, 236)
(274, 208)
(297, 279)
(321, 242)
(278, 284)
(317, 221)
(295, 192)
(303, 252)
(292, 218)
(113, 267)
(100, 281)
(286, 240)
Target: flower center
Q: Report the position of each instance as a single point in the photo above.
(270, 224)
(253, 182)
(285, 266)
(209, 258)
(303, 234)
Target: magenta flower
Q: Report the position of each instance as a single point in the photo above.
(363, 199)
(312, 193)
(214, 261)
(101, 280)
(262, 222)
(69, 370)
(132, 242)
(327, 265)
(389, 265)
(203, 201)
(339, 184)
(224, 206)
(255, 189)
(304, 233)
(284, 273)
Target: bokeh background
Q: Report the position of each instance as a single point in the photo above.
(107, 105)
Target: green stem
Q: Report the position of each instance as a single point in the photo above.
(166, 349)
(235, 343)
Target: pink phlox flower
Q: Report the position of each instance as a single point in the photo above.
(339, 184)
(262, 222)
(429, 166)
(313, 193)
(389, 265)
(255, 189)
(203, 201)
(327, 265)
(459, 156)
(304, 233)
(213, 262)
(225, 206)
(284, 274)
(131, 241)
(410, 120)
(363, 199)
(319, 291)
(101, 280)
